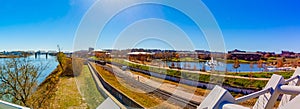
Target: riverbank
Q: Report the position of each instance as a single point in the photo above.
(52, 92)
(14, 56)
(9, 56)
(60, 90)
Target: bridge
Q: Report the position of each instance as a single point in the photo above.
(38, 53)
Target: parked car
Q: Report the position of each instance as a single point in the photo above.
(124, 68)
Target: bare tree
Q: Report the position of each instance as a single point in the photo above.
(280, 63)
(251, 66)
(236, 64)
(60, 58)
(203, 68)
(260, 64)
(19, 80)
(173, 65)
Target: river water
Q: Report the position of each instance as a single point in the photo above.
(50, 61)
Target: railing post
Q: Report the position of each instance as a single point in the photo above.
(293, 104)
(286, 98)
(220, 98)
(7, 105)
(216, 98)
(267, 101)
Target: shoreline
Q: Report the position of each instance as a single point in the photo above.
(9, 56)
(12, 56)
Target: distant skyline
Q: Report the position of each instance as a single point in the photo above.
(250, 25)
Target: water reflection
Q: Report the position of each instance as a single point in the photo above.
(50, 61)
(229, 66)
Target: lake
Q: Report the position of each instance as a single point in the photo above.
(199, 65)
(51, 61)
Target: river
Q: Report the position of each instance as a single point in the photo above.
(51, 61)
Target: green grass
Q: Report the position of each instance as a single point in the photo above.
(286, 74)
(241, 83)
(88, 89)
(241, 61)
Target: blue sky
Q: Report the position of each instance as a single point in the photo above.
(266, 25)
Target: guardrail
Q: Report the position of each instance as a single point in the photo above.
(220, 98)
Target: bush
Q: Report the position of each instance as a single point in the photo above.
(72, 67)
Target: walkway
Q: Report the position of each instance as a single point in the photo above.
(167, 87)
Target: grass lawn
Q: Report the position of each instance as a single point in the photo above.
(88, 89)
(58, 93)
(190, 89)
(286, 74)
(67, 95)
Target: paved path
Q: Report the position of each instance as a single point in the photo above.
(170, 88)
(104, 92)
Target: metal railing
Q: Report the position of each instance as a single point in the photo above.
(7, 105)
(219, 98)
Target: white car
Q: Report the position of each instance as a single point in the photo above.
(124, 68)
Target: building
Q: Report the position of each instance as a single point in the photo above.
(91, 49)
(184, 54)
(243, 55)
(236, 50)
(140, 56)
(16, 53)
(101, 54)
(288, 54)
(205, 55)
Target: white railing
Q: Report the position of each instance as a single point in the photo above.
(252, 95)
(219, 98)
(7, 105)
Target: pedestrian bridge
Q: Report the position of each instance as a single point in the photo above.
(219, 98)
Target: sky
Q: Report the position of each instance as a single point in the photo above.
(252, 25)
